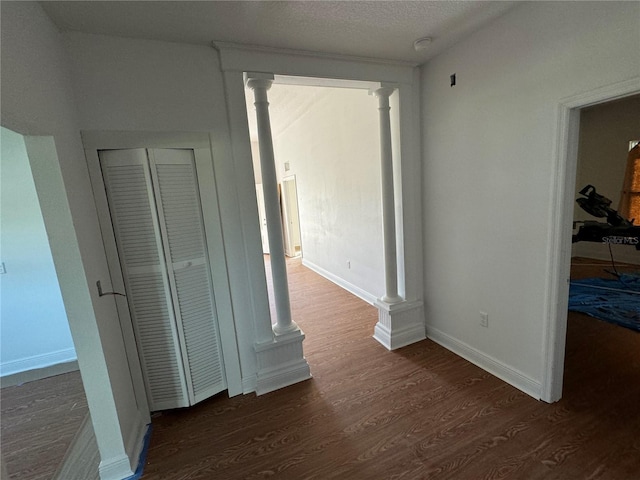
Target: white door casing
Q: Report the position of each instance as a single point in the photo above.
(290, 216)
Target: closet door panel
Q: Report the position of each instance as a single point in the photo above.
(154, 326)
(130, 196)
(176, 185)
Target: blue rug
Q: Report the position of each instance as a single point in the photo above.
(616, 301)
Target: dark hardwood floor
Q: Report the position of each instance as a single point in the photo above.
(38, 423)
(417, 413)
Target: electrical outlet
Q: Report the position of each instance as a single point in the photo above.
(484, 319)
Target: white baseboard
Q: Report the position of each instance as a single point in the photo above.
(400, 338)
(285, 376)
(125, 465)
(37, 361)
(349, 287)
(115, 468)
(249, 384)
(504, 372)
(135, 440)
(39, 374)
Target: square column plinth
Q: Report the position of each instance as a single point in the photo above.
(399, 324)
(281, 362)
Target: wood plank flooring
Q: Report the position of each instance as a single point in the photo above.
(39, 421)
(417, 413)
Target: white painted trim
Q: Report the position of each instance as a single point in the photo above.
(116, 468)
(249, 384)
(349, 287)
(560, 221)
(309, 53)
(283, 376)
(219, 269)
(504, 372)
(325, 82)
(125, 465)
(39, 373)
(135, 441)
(398, 338)
(37, 361)
(310, 64)
(281, 362)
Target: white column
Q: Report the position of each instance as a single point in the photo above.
(400, 322)
(260, 83)
(388, 204)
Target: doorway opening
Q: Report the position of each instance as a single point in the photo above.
(604, 297)
(291, 217)
(326, 148)
(43, 400)
(566, 186)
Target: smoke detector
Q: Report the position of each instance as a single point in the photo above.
(422, 44)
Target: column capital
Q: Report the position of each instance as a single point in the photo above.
(258, 80)
(384, 90)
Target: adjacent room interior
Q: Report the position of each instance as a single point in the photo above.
(328, 170)
(43, 401)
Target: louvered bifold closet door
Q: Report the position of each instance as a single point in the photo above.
(133, 214)
(176, 186)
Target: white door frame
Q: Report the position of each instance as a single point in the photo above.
(290, 218)
(561, 217)
(200, 143)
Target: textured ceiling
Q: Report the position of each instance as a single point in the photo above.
(375, 29)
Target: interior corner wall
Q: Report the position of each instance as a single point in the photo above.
(38, 102)
(333, 151)
(488, 171)
(605, 133)
(35, 329)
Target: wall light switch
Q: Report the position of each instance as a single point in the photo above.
(484, 319)
(3, 269)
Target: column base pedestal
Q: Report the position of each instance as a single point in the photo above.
(399, 324)
(281, 362)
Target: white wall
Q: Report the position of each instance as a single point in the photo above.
(605, 133)
(38, 101)
(405, 129)
(148, 86)
(35, 330)
(488, 145)
(333, 149)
